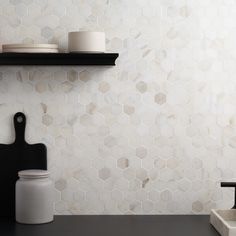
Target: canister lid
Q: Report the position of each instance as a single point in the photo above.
(33, 174)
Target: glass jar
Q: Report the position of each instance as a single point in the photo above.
(34, 197)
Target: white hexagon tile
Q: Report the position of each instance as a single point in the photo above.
(154, 134)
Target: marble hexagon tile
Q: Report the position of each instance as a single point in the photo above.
(145, 136)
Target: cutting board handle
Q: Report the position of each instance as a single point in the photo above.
(19, 124)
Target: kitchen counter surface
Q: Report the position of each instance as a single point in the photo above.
(168, 225)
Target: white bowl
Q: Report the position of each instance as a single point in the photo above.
(86, 41)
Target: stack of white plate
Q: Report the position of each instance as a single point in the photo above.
(30, 48)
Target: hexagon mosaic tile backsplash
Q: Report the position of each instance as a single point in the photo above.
(153, 135)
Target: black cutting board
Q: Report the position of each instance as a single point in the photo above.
(15, 157)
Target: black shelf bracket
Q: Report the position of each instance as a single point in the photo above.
(230, 185)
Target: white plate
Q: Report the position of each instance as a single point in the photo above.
(11, 46)
(31, 50)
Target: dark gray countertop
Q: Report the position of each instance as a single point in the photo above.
(168, 225)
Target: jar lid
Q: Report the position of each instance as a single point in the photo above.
(33, 174)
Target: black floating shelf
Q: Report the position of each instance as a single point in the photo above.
(58, 59)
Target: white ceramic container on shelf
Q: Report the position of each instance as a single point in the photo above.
(34, 197)
(86, 42)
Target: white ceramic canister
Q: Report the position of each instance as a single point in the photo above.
(34, 197)
(86, 41)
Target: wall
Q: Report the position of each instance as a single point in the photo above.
(153, 135)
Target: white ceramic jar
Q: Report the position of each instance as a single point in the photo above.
(34, 197)
(86, 41)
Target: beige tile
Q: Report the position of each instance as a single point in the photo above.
(122, 163)
(104, 173)
(159, 126)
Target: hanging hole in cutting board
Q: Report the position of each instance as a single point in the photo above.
(19, 119)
